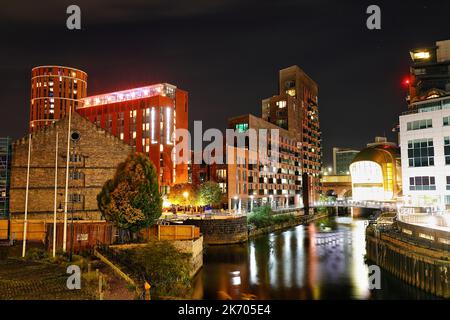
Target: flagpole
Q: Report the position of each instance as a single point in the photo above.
(67, 182)
(56, 193)
(25, 222)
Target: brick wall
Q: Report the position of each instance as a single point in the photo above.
(100, 154)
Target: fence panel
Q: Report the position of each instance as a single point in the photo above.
(36, 230)
(85, 235)
(4, 224)
(171, 232)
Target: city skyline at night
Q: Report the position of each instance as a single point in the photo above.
(225, 157)
(192, 44)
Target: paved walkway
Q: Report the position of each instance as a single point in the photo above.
(27, 280)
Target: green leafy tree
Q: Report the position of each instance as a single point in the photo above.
(131, 200)
(210, 193)
(183, 194)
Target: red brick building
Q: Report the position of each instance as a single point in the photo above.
(54, 89)
(145, 118)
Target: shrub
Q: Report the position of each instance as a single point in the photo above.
(260, 217)
(160, 264)
(283, 218)
(263, 217)
(36, 254)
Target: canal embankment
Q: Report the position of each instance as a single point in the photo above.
(295, 221)
(416, 254)
(236, 229)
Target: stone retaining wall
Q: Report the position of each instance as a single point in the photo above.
(222, 231)
(420, 266)
(235, 230)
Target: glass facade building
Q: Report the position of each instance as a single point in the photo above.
(5, 169)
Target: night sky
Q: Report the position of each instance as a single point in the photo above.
(226, 54)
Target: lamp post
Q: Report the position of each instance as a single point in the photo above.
(25, 217)
(55, 196)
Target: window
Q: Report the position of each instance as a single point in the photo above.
(120, 124)
(76, 175)
(221, 174)
(447, 150)
(146, 129)
(133, 114)
(241, 127)
(421, 153)
(419, 124)
(75, 197)
(446, 121)
(281, 104)
(109, 122)
(422, 183)
(448, 182)
(74, 157)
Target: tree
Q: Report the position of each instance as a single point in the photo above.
(183, 194)
(210, 193)
(131, 200)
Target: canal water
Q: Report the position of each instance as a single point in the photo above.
(322, 260)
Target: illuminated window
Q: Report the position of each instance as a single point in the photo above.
(419, 124)
(168, 126)
(133, 114)
(447, 150)
(422, 183)
(120, 125)
(421, 55)
(291, 92)
(146, 118)
(241, 127)
(421, 153)
(153, 123)
(426, 236)
(221, 174)
(281, 104)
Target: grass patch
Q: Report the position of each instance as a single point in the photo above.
(160, 264)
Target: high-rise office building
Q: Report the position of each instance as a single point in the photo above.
(342, 158)
(425, 129)
(296, 109)
(145, 118)
(429, 72)
(54, 89)
(253, 181)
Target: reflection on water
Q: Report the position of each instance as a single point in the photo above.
(324, 260)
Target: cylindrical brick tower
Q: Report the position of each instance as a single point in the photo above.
(53, 90)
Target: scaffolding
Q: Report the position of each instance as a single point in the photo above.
(5, 169)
